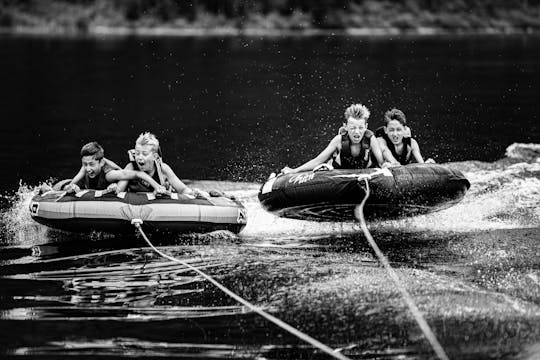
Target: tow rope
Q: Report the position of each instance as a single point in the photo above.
(317, 344)
(422, 323)
(359, 214)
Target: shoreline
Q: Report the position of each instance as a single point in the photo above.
(166, 31)
(267, 18)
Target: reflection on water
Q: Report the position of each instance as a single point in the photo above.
(103, 295)
(131, 301)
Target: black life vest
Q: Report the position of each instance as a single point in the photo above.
(348, 161)
(97, 183)
(139, 185)
(402, 158)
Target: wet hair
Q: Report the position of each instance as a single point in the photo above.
(395, 114)
(93, 149)
(148, 138)
(357, 111)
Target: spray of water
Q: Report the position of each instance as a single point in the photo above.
(504, 194)
(18, 226)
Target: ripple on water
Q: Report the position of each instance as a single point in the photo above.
(472, 269)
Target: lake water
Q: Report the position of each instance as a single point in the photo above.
(237, 108)
(228, 111)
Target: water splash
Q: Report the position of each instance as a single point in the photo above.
(504, 194)
(527, 152)
(480, 285)
(17, 225)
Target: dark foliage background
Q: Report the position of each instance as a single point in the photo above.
(457, 15)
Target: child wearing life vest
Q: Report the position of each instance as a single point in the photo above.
(146, 158)
(99, 173)
(352, 148)
(396, 143)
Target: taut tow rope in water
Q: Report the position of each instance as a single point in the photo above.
(335, 354)
(422, 323)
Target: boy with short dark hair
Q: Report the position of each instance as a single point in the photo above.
(397, 145)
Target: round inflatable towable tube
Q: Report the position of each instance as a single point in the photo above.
(91, 210)
(395, 192)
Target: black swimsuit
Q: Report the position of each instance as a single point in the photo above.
(97, 183)
(139, 185)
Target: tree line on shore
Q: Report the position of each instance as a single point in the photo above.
(449, 15)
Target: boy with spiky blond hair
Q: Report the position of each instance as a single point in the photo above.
(351, 148)
(146, 157)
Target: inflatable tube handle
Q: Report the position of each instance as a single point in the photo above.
(100, 193)
(81, 193)
(377, 172)
(323, 167)
(64, 193)
(169, 194)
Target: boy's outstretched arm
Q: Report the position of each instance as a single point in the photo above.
(386, 153)
(174, 181)
(126, 174)
(321, 158)
(375, 148)
(179, 186)
(72, 186)
(122, 184)
(415, 149)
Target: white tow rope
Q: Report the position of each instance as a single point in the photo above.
(334, 353)
(422, 323)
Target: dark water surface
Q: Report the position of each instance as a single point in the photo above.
(228, 111)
